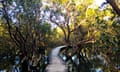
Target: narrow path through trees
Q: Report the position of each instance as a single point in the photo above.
(56, 63)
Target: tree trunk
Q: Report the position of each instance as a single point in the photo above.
(114, 6)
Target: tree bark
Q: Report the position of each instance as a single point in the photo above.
(114, 6)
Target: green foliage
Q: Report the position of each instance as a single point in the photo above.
(103, 26)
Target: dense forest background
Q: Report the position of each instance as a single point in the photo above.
(30, 29)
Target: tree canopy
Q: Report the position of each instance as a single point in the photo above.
(29, 29)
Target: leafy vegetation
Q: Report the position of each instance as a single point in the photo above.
(29, 29)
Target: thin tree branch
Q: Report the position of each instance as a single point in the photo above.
(75, 28)
(61, 27)
(8, 24)
(68, 29)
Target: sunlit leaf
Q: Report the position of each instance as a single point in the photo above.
(90, 12)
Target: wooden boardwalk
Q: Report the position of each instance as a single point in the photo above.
(56, 63)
